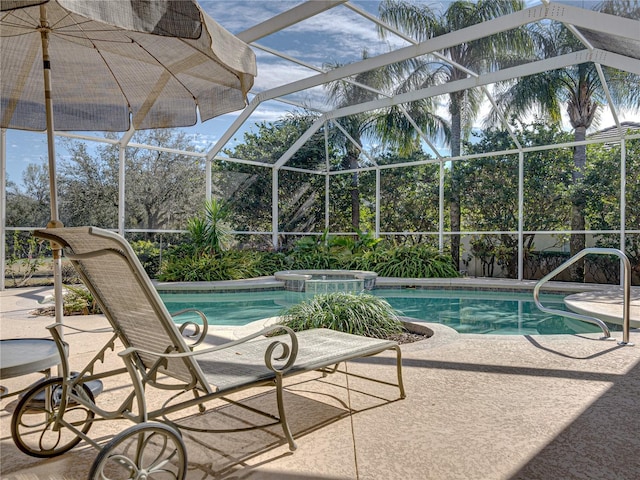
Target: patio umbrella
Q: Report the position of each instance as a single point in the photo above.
(78, 65)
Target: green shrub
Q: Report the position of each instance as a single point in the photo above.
(367, 253)
(180, 250)
(360, 314)
(149, 255)
(229, 265)
(184, 262)
(270, 262)
(419, 261)
(192, 268)
(79, 301)
(69, 274)
(312, 260)
(325, 252)
(239, 264)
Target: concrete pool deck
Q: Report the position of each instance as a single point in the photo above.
(478, 407)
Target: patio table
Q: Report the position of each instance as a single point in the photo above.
(22, 356)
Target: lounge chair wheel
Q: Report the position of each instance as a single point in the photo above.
(144, 451)
(34, 425)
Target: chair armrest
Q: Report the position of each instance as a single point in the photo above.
(65, 326)
(200, 331)
(287, 355)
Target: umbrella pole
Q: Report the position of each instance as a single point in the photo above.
(53, 190)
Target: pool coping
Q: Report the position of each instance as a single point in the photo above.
(465, 283)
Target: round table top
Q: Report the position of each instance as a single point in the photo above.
(21, 356)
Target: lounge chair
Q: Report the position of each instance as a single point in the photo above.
(156, 354)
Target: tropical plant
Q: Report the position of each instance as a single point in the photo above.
(199, 268)
(411, 261)
(578, 90)
(209, 230)
(343, 93)
(390, 125)
(330, 252)
(360, 314)
(454, 63)
(269, 263)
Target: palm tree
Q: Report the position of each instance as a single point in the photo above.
(580, 92)
(421, 23)
(390, 126)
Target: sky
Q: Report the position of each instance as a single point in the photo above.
(337, 36)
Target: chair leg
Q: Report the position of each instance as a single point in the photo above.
(399, 368)
(282, 414)
(201, 406)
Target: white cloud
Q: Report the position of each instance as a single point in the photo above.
(239, 15)
(279, 72)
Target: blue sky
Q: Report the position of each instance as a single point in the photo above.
(337, 36)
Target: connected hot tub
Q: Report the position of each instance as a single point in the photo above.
(326, 281)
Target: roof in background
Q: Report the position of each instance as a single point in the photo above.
(614, 133)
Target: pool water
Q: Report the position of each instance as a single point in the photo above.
(502, 313)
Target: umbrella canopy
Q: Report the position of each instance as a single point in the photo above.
(118, 63)
(112, 65)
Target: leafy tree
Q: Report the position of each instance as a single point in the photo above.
(621, 8)
(421, 23)
(579, 91)
(248, 188)
(29, 206)
(340, 202)
(162, 189)
(88, 186)
(602, 186)
(409, 197)
(492, 204)
(547, 175)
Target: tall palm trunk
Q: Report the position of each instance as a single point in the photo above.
(355, 193)
(577, 241)
(582, 110)
(454, 202)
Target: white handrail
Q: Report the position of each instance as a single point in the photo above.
(626, 289)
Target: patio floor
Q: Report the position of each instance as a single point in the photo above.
(477, 407)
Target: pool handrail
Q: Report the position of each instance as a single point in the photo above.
(626, 288)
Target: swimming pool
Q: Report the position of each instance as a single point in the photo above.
(466, 311)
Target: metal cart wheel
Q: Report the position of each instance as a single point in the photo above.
(34, 426)
(143, 451)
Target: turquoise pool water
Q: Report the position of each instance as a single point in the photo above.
(503, 313)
